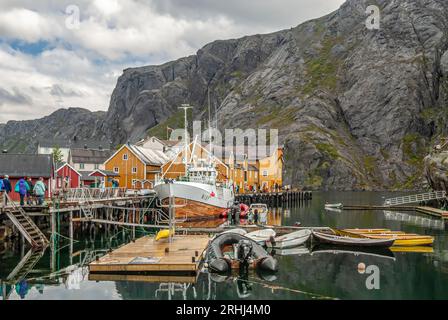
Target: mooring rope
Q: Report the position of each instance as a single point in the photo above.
(279, 287)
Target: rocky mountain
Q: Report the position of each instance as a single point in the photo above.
(355, 108)
(23, 136)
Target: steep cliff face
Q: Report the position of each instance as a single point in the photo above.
(355, 108)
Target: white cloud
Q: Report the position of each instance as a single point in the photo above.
(114, 35)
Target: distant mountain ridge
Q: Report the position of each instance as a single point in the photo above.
(355, 108)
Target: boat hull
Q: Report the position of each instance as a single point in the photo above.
(353, 242)
(195, 201)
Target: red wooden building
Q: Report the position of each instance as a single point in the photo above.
(18, 166)
(66, 171)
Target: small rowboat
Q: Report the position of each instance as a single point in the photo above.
(333, 238)
(261, 236)
(400, 238)
(334, 206)
(290, 240)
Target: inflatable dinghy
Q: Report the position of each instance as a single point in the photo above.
(247, 250)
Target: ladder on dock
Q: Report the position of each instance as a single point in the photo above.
(416, 198)
(85, 204)
(25, 225)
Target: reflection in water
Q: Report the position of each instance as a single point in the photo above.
(415, 219)
(60, 272)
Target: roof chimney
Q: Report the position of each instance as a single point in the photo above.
(85, 146)
(100, 147)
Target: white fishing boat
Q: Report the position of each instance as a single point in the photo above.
(290, 240)
(198, 194)
(261, 236)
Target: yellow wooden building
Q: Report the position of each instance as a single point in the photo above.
(136, 167)
(252, 171)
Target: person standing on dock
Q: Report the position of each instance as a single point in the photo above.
(39, 191)
(30, 192)
(22, 188)
(6, 187)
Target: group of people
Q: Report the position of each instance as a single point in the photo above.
(26, 189)
(256, 189)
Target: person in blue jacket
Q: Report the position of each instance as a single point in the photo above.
(7, 184)
(22, 188)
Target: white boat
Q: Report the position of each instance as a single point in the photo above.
(198, 194)
(290, 240)
(261, 236)
(334, 205)
(290, 252)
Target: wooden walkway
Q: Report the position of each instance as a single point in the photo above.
(183, 255)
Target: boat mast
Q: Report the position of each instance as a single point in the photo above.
(185, 107)
(209, 130)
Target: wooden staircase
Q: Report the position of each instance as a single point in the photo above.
(25, 225)
(25, 265)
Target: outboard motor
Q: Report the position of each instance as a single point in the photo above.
(244, 251)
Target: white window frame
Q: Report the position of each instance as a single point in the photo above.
(125, 157)
(116, 169)
(81, 166)
(265, 173)
(134, 170)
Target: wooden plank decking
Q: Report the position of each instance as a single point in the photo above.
(433, 212)
(143, 278)
(184, 255)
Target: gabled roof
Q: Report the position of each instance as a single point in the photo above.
(105, 173)
(167, 143)
(89, 155)
(85, 176)
(26, 165)
(148, 156)
(67, 165)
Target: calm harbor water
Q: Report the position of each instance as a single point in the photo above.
(305, 273)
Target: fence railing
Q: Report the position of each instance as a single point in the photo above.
(82, 194)
(416, 198)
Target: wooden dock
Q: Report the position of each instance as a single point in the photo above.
(184, 255)
(275, 199)
(433, 212)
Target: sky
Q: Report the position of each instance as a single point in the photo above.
(59, 54)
